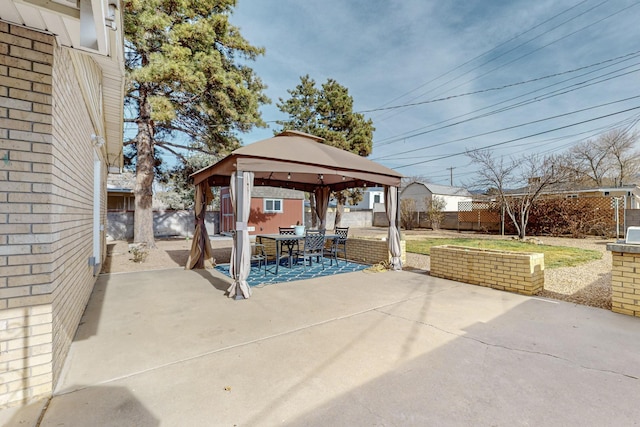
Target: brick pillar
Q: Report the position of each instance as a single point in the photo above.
(625, 278)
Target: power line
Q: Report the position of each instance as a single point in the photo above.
(430, 101)
(557, 92)
(507, 128)
(628, 124)
(548, 44)
(486, 52)
(519, 138)
(520, 45)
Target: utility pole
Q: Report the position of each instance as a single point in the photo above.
(451, 173)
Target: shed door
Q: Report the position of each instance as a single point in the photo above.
(227, 221)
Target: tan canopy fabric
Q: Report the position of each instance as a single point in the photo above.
(200, 246)
(300, 161)
(292, 160)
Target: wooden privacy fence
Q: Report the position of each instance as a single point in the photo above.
(479, 216)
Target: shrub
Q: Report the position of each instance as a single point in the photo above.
(408, 213)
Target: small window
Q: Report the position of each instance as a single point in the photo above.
(572, 196)
(376, 198)
(273, 205)
(606, 193)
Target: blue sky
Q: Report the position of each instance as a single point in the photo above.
(481, 55)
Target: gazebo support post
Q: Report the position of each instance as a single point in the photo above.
(241, 227)
(240, 191)
(391, 201)
(200, 246)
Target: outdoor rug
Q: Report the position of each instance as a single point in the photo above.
(298, 272)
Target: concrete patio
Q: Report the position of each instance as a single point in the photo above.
(395, 348)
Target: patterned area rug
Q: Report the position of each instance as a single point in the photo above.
(298, 272)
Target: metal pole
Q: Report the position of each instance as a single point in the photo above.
(624, 217)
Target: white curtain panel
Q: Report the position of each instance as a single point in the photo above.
(391, 206)
(322, 203)
(240, 266)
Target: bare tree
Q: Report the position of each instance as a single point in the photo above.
(589, 160)
(620, 145)
(518, 182)
(610, 159)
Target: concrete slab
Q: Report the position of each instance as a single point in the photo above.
(394, 348)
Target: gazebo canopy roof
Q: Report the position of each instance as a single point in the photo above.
(301, 161)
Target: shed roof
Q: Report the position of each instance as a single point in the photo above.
(444, 190)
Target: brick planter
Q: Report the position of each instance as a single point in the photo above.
(521, 272)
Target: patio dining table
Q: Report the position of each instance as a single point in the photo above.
(280, 238)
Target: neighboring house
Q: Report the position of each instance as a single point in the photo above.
(370, 197)
(61, 105)
(421, 192)
(120, 196)
(628, 196)
(271, 208)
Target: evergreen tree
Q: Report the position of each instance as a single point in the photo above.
(327, 112)
(186, 89)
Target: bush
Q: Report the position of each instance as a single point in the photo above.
(408, 214)
(435, 212)
(558, 217)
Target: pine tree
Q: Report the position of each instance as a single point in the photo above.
(327, 112)
(186, 89)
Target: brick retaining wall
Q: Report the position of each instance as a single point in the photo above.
(520, 272)
(366, 251)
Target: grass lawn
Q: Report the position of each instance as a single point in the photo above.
(554, 256)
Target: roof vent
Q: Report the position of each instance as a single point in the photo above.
(633, 236)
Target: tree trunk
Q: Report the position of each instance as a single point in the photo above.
(143, 216)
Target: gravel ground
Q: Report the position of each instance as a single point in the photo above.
(588, 284)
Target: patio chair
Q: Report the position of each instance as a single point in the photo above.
(291, 245)
(338, 245)
(313, 247)
(259, 255)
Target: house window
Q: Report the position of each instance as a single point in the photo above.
(376, 198)
(572, 196)
(272, 205)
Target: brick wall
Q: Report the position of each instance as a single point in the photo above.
(370, 251)
(46, 199)
(26, 368)
(509, 271)
(71, 222)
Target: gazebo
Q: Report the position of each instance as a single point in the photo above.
(294, 160)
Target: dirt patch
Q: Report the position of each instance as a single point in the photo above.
(170, 253)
